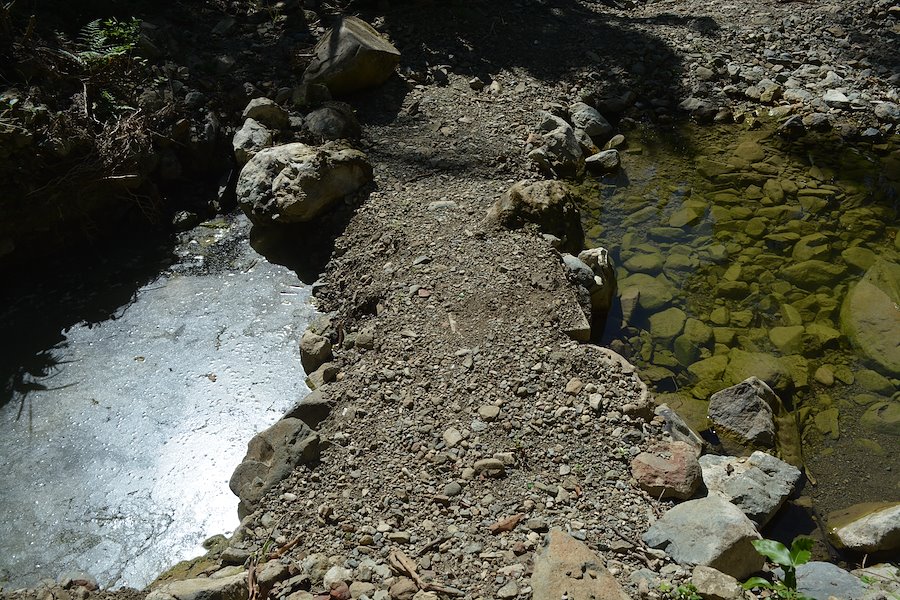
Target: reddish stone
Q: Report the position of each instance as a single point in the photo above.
(668, 470)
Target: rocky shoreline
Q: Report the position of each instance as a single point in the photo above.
(463, 440)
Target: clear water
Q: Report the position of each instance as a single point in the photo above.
(117, 451)
(712, 221)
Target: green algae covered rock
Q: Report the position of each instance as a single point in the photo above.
(870, 316)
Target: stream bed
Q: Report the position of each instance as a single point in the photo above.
(130, 391)
(739, 252)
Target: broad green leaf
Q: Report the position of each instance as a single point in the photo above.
(776, 551)
(801, 551)
(757, 582)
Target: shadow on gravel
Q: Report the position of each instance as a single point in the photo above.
(38, 303)
(551, 40)
(306, 248)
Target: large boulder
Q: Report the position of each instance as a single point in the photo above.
(867, 527)
(588, 119)
(312, 409)
(567, 568)
(293, 183)
(351, 57)
(315, 350)
(744, 412)
(548, 204)
(267, 112)
(271, 456)
(758, 484)
(710, 531)
(668, 470)
(870, 315)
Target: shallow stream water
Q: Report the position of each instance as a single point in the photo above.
(736, 251)
(121, 425)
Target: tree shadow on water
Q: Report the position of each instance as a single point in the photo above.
(39, 302)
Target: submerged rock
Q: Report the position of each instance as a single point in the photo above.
(294, 183)
(710, 531)
(870, 315)
(567, 567)
(351, 57)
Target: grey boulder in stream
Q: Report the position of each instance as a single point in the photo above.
(271, 456)
(294, 183)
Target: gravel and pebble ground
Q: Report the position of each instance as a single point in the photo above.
(466, 422)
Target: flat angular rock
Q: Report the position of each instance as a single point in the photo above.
(271, 456)
(605, 161)
(712, 584)
(744, 411)
(758, 484)
(668, 470)
(249, 140)
(203, 588)
(548, 204)
(351, 57)
(867, 527)
(294, 183)
(588, 119)
(821, 581)
(711, 532)
(267, 112)
(678, 428)
(567, 568)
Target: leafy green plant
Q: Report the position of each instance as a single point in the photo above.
(685, 591)
(107, 66)
(788, 559)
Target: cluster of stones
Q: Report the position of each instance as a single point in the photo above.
(296, 182)
(570, 139)
(797, 67)
(739, 496)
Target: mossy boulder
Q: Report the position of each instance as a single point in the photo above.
(870, 316)
(667, 324)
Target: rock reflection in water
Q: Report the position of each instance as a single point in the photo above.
(117, 462)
